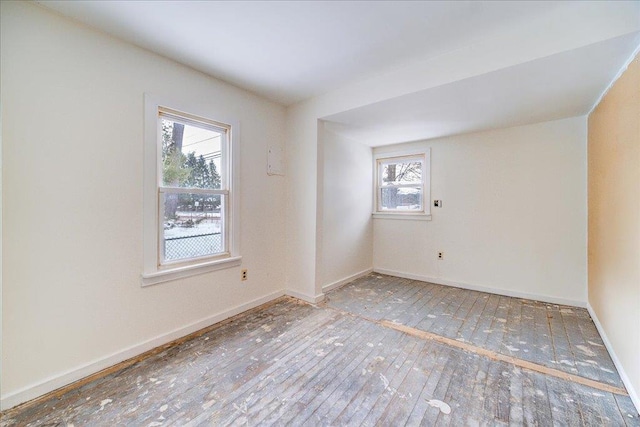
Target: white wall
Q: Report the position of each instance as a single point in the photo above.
(72, 136)
(347, 227)
(301, 212)
(513, 218)
(511, 47)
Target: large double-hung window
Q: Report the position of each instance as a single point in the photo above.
(193, 190)
(189, 197)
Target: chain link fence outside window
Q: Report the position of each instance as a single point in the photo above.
(192, 246)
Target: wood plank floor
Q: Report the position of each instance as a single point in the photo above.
(339, 363)
(555, 336)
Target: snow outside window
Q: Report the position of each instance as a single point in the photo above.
(401, 184)
(192, 191)
(191, 230)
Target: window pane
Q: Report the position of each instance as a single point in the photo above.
(193, 225)
(402, 173)
(191, 155)
(409, 199)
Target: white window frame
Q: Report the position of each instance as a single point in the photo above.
(153, 270)
(379, 160)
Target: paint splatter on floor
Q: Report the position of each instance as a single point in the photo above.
(444, 408)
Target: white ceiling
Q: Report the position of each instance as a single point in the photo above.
(289, 51)
(558, 86)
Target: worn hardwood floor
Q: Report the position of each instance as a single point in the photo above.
(379, 351)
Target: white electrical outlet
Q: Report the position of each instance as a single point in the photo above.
(440, 255)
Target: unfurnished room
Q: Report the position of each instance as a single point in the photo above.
(319, 213)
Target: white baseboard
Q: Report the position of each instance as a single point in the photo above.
(304, 297)
(65, 378)
(342, 282)
(633, 393)
(498, 291)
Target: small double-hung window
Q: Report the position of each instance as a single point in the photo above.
(402, 185)
(189, 217)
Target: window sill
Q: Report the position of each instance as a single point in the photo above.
(411, 217)
(169, 274)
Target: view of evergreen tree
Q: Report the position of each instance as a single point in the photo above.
(180, 170)
(201, 173)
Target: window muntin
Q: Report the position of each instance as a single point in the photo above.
(400, 184)
(193, 188)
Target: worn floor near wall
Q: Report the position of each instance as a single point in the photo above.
(381, 350)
